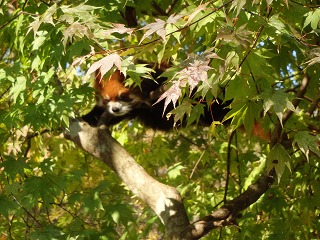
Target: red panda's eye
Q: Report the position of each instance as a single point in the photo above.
(105, 101)
(124, 97)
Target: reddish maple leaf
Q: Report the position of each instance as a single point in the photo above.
(105, 64)
(174, 18)
(118, 28)
(171, 95)
(157, 27)
(196, 11)
(194, 72)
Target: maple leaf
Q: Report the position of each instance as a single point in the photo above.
(278, 158)
(80, 60)
(185, 108)
(196, 11)
(157, 27)
(238, 4)
(174, 18)
(171, 95)
(196, 69)
(307, 142)
(194, 72)
(76, 29)
(105, 64)
(44, 18)
(279, 101)
(80, 12)
(118, 28)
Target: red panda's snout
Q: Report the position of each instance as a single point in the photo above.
(118, 108)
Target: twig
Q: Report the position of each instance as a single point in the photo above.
(14, 17)
(228, 167)
(29, 137)
(5, 91)
(24, 209)
(171, 6)
(196, 165)
(159, 9)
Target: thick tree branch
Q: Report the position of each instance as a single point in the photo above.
(164, 200)
(313, 106)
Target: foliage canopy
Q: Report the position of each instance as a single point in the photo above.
(264, 55)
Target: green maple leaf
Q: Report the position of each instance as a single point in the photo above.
(278, 158)
(307, 142)
(280, 102)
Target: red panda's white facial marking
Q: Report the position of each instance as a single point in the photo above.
(117, 107)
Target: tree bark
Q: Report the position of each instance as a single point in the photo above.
(164, 200)
(227, 214)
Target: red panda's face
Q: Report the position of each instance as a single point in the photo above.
(114, 96)
(119, 105)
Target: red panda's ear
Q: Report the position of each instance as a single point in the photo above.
(117, 76)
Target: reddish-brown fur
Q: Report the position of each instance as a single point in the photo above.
(110, 87)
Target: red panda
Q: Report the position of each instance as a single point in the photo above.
(116, 102)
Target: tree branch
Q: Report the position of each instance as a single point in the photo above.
(164, 200)
(227, 214)
(314, 105)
